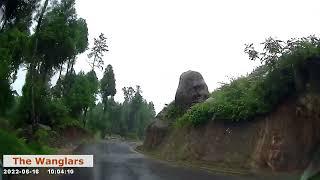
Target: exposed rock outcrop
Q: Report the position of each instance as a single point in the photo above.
(156, 131)
(192, 89)
(290, 135)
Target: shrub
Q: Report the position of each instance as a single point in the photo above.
(68, 122)
(259, 92)
(58, 109)
(174, 112)
(41, 149)
(42, 136)
(198, 115)
(10, 144)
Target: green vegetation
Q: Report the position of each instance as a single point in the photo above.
(174, 111)
(107, 85)
(45, 38)
(283, 65)
(128, 119)
(316, 177)
(14, 145)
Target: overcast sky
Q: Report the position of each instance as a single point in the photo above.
(152, 42)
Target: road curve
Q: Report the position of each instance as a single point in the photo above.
(115, 160)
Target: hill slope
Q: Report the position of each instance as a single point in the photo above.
(269, 119)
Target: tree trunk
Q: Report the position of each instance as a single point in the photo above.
(72, 64)
(84, 116)
(68, 67)
(60, 72)
(93, 64)
(34, 116)
(105, 105)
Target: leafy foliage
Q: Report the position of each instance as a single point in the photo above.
(18, 13)
(14, 145)
(62, 35)
(58, 37)
(174, 111)
(81, 94)
(12, 54)
(68, 122)
(259, 92)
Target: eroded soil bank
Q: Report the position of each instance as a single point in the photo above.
(282, 141)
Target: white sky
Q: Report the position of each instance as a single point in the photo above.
(152, 42)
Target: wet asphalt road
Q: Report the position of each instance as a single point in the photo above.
(117, 161)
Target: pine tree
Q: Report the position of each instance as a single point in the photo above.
(107, 85)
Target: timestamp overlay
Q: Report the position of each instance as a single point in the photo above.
(44, 165)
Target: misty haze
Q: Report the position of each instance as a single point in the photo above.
(161, 90)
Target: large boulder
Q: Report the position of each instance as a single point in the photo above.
(192, 89)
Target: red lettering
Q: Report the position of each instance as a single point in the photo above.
(15, 160)
(40, 161)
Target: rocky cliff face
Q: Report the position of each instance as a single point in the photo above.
(157, 131)
(283, 140)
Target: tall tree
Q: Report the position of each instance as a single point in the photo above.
(81, 95)
(59, 36)
(12, 54)
(107, 85)
(97, 52)
(32, 68)
(15, 22)
(128, 93)
(17, 13)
